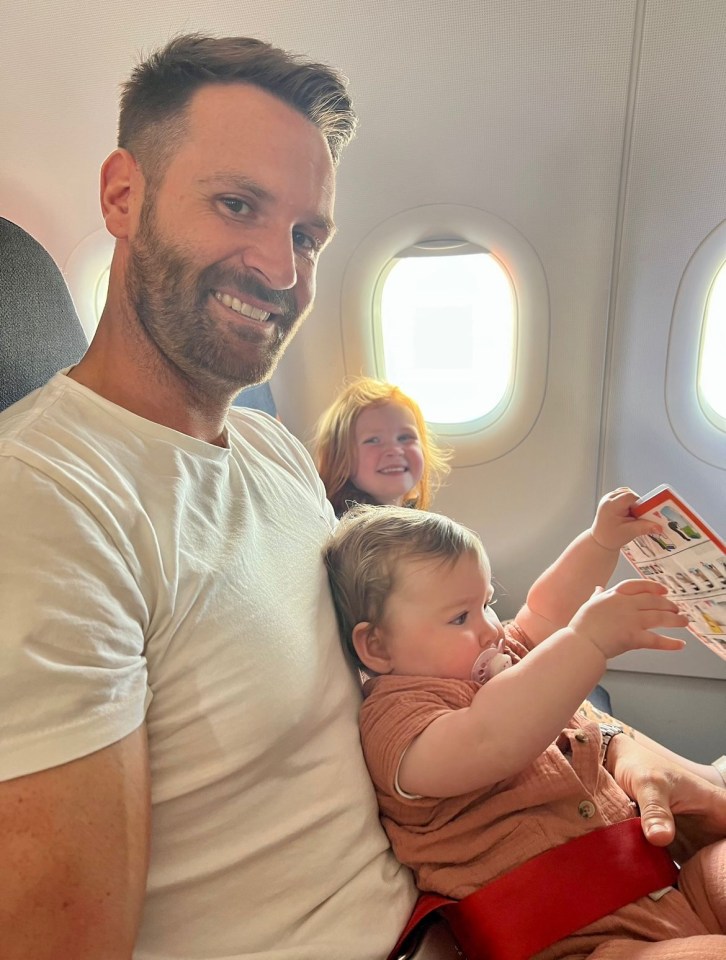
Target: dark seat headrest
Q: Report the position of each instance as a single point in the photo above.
(40, 332)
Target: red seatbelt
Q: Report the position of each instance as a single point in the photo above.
(552, 895)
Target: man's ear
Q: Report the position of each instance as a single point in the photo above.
(371, 649)
(122, 192)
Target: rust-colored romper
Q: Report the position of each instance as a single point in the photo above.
(457, 844)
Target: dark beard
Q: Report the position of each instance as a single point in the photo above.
(171, 302)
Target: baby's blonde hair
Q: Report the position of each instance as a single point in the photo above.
(364, 554)
(335, 454)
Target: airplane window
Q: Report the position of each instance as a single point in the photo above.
(446, 329)
(711, 385)
(451, 302)
(695, 389)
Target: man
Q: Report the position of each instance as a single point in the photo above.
(170, 654)
(180, 765)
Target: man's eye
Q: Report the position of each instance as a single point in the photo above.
(236, 205)
(304, 241)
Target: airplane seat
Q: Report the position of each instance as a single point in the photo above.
(600, 698)
(41, 332)
(258, 397)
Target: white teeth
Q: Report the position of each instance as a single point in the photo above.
(393, 470)
(252, 313)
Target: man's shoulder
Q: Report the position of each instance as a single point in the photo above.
(24, 413)
(64, 436)
(57, 420)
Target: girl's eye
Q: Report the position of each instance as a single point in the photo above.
(371, 440)
(407, 438)
(236, 205)
(460, 620)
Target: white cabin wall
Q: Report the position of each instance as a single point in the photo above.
(638, 186)
(526, 124)
(675, 196)
(686, 714)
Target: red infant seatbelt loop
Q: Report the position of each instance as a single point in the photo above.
(554, 894)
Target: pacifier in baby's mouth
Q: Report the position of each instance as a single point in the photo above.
(490, 662)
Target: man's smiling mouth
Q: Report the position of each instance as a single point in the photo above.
(244, 309)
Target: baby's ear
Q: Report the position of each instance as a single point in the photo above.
(368, 644)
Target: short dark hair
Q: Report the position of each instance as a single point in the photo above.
(154, 98)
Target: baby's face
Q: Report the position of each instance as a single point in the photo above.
(439, 618)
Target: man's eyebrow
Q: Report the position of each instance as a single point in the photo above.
(233, 181)
(325, 225)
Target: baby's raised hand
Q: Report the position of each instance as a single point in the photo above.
(623, 617)
(614, 525)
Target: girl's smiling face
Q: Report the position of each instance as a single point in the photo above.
(388, 455)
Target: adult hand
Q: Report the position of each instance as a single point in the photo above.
(678, 809)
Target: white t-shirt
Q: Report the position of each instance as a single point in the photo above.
(146, 574)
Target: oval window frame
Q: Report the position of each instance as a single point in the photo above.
(501, 430)
(694, 423)
(83, 269)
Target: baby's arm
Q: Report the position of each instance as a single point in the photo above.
(588, 562)
(517, 714)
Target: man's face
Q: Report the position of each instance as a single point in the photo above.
(222, 266)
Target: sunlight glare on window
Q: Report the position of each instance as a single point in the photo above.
(448, 326)
(711, 380)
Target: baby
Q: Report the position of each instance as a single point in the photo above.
(473, 778)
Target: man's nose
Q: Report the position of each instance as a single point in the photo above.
(272, 256)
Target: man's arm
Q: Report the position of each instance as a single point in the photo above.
(75, 846)
(703, 770)
(671, 792)
(588, 562)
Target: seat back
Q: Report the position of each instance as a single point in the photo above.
(40, 332)
(258, 397)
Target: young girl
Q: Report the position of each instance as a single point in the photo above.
(479, 767)
(372, 446)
